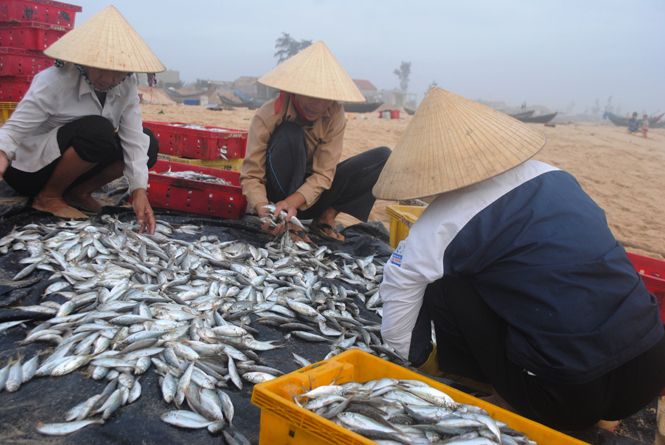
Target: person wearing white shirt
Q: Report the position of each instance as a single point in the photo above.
(514, 265)
(79, 125)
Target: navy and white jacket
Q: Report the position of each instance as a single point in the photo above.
(541, 255)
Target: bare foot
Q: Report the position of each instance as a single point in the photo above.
(82, 200)
(296, 233)
(324, 225)
(609, 425)
(328, 227)
(57, 206)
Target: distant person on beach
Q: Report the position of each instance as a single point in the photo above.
(633, 124)
(533, 300)
(79, 125)
(644, 125)
(295, 145)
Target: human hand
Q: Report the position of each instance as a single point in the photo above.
(265, 216)
(144, 213)
(4, 163)
(287, 207)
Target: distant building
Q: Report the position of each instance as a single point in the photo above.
(398, 98)
(221, 85)
(368, 90)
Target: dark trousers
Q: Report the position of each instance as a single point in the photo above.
(471, 342)
(351, 189)
(94, 139)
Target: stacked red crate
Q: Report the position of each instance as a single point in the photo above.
(27, 27)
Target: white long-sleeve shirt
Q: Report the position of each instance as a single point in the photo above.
(58, 96)
(538, 251)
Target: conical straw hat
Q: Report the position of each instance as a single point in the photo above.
(314, 72)
(452, 142)
(107, 41)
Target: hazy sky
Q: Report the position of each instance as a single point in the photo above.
(542, 52)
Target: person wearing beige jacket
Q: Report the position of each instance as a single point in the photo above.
(295, 144)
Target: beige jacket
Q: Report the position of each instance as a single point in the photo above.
(324, 141)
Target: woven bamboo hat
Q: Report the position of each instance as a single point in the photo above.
(106, 41)
(314, 72)
(452, 142)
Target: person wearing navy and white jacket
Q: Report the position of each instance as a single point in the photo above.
(515, 265)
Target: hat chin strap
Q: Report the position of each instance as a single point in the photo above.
(85, 76)
(280, 102)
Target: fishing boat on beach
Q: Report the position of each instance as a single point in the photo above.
(620, 121)
(362, 107)
(542, 119)
(522, 115)
(181, 98)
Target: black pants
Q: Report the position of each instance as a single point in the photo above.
(351, 189)
(94, 139)
(471, 342)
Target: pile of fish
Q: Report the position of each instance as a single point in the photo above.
(185, 309)
(195, 176)
(393, 412)
(201, 127)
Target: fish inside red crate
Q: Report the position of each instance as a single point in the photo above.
(177, 186)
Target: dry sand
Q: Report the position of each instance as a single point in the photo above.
(623, 173)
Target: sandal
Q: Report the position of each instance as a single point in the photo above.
(319, 229)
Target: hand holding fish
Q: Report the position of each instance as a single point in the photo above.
(275, 215)
(269, 225)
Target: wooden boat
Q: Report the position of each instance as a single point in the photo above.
(522, 115)
(362, 107)
(620, 121)
(180, 98)
(543, 119)
(241, 104)
(410, 111)
(246, 98)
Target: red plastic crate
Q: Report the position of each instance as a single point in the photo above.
(198, 143)
(18, 62)
(42, 11)
(652, 272)
(13, 88)
(35, 36)
(225, 201)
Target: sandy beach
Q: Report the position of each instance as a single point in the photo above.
(623, 173)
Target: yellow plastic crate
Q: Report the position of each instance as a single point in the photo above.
(285, 423)
(401, 220)
(6, 110)
(222, 164)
